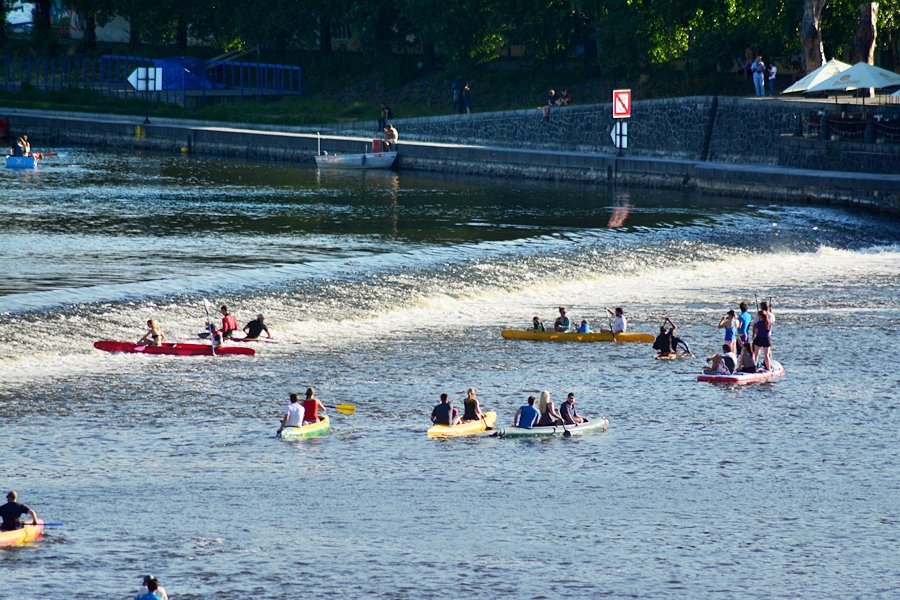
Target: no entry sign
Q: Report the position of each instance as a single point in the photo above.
(621, 104)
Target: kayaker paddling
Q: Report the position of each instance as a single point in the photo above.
(311, 407)
(229, 323)
(621, 323)
(154, 335)
(665, 341)
(12, 510)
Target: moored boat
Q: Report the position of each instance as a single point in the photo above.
(557, 336)
(364, 160)
(463, 429)
(743, 378)
(306, 431)
(22, 162)
(599, 424)
(171, 348)
(17, 537)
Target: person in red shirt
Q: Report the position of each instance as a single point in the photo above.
(229, 323)
(311, 406)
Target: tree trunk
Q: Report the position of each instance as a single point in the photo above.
(134, 31)
(864, 43)
(89, 42)
(181, 33)
(811, 35)
(325, 38)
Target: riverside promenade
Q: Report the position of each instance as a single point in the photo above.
(711, 156)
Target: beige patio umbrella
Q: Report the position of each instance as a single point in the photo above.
(817, 76)
(859, 76)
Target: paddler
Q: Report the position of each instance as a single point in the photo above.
(254, 328)
(536, 324)
(444, 413)
(229, 323)
(293, 414)
(562, 321)
(744, 321)
(621, 323)
(154, 335)
(12, 510)
(311, 407)
(666, 343)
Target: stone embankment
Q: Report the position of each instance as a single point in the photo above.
(759, 149)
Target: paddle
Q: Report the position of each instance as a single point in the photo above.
(344, 409)
(566, 432)
(209, 327)
(486, 426)
(53, 523)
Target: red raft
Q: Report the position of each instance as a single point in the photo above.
(171, 348)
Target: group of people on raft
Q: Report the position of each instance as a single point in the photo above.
(526, 417)
(747, 343)
(563, 324)
(252, 330)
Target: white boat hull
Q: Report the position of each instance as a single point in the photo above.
(369, 160)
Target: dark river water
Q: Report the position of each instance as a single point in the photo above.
(384, 290)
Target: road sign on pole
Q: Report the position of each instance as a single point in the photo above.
(144, 79)
(619, 134)
(621, 104)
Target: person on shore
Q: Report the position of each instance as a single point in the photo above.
(549, 414)
(722, 363)
(311, 407)
(471, 407)
(773, 72)
(759, 73)
(467, 98)
(564, 98)
(293, 414)
(152, 592)
(537, 325)
(444, 413)
(584, 327)
(390, 137)
(562, 322)
(160, 591)
(728, 324)
(568, 412)
(254, 328)
(762, 341)
(229, 323)
(154, 335)
(12, 510)
(527, 415)
(552, 100)
(620, 325)
(745, 319)
(385, 116)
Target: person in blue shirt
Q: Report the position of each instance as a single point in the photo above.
(743, 326)
(562, 321)
(152, 593)
(585, 327)
(527, 415)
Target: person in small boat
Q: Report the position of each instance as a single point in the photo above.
(537, 325)
(722, 363)
(620, 325)
(444, 413)
(762, 341)
(665, 344)
(584, 327)
(471, 407)
(744, 322)
(12, 510)
(23, 146)
(549, 414)
(527, 415)
(254, 328)
(153, 591)
(311, 407)
(562, 322)
(154, 335)
(746, 364)
(229, 323)
(728, 324)
(568, 412)
(293, 414)
(160, 590)
(390, 137)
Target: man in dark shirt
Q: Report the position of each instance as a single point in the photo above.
(444, 413)
(12, 510)
(254, 328)
(568, 413)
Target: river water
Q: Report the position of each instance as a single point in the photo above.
(384, 290)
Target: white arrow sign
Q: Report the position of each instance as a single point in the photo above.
(145, 79)
(619, 134)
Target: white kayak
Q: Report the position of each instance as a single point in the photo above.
(599, 424)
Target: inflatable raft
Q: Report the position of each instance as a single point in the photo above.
(599, 424)
(467, 428)
(556, 336)
(742, 378)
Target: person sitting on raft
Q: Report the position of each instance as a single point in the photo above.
(444, 413)
(585, 327)
(723, 363)
(311, 407)
(12, 510)
(471, 407)
(746, 364)
(621, 323)
(568, 413)
(537, 325)
(549, 414)
(254, 328)
(562, 322)
(293, 414)
(154, 335)
(527, 415)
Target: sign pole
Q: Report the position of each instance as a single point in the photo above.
(147, 95)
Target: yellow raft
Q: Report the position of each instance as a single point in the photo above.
(467, 428)
(23, 535)
(556, 336)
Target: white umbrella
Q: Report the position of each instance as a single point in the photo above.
(817, 76)
(859, 76)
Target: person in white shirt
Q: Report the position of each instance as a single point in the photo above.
(621, 323)
(293, 414)
(723, 363)
(773, 71)
(159, 590)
